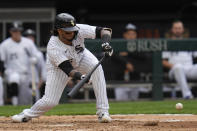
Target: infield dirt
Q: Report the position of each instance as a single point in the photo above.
(119, 123)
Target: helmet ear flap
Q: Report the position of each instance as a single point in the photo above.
(76, 32)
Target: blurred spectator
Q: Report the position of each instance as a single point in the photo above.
(16, 52)
(130, 32)
(129, 71)
(177, 31)
(40, 66)
(180, 64)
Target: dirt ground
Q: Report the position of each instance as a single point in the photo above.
(141, 122)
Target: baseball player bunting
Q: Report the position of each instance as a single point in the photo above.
(68, 57)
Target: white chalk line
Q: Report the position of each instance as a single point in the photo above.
(154, 114)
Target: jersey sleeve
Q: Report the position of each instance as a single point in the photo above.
(56, 56)
(87, 31)
(33, 50)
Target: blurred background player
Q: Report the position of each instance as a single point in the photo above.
(16, 53)
(129, 72)
(1, 83)
(40, 66)
(180, 63)
(1, 92)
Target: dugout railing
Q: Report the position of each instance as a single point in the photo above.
(156, 46)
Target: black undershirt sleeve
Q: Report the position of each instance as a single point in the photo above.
(66, 67)
(98, 32)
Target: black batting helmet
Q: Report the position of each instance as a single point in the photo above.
(65, 22)
(16, 26)
(29, 32)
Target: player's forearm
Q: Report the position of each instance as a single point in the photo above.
(167, 64)
(106, 31)
(106, 35)
(68, 69)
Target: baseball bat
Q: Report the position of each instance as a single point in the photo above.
(33, 83)
(76, 88)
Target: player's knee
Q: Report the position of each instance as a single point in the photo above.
(99, 69)
(178, 67)
(14, 78)
(93, 63)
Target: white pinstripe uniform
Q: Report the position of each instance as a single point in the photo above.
(183, 69)
(58, 52)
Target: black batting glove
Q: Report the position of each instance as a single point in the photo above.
(107, 49)
(79, 76)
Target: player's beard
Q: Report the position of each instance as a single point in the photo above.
(70, 40)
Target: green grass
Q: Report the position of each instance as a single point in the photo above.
(140, 107)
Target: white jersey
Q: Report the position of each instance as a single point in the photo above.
(57, 51)
(180, 57)
(16, 55)
(182, 70)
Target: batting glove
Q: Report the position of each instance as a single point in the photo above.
(107, 49)
(79, 76)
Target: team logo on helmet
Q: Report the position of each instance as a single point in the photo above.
(72, 23)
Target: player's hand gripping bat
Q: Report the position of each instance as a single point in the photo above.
(76, 88)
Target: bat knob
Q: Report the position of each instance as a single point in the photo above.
(33, 60)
